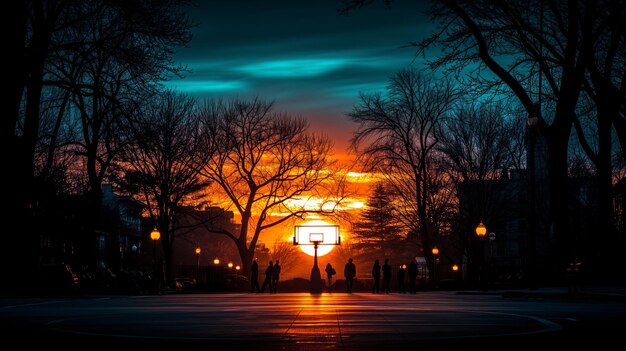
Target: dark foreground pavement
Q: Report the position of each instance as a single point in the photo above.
(426, 321)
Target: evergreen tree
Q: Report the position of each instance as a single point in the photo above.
(378, 229)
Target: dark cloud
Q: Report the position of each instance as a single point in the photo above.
(303, 54)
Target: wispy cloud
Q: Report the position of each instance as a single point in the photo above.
(292, 68)
(205, 86)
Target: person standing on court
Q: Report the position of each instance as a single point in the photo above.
(386, 276)
(276, 276)
(376, 276)
(254, 278)
(400, 277)
(330, 271)
(349, 271)
(412, 272)
(268, 278)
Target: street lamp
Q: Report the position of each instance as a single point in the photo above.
(216, 261)
(230, 265)
(435, 252)
(481, 231)
(455, 272)
(533, 121)
(155, 235)
(492, 239)
(198, 250)
(237, 267)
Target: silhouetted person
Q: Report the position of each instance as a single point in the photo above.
(400, 278)
(254, 278)
(268, 278)
(386, 276)
(573, 276)
(276, 276)
(330, 271)
(412, 272)
(376, 276)
(349, 271)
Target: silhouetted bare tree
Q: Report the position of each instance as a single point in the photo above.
(399, 133)
(268, 166)
(161, 159)
(95, 56)
(478, 147)
(571, 48)
(286, 252)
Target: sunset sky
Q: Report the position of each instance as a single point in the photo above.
(304, 55)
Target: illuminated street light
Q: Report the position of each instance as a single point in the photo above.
(455, 268)
(481, 231)
(216, 261)
(155, 235)
(435, 252)
(198, 250)
(238, 267)
(230, 265)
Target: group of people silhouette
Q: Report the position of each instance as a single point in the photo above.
(349, 272)
(411, 271)
(272, 276)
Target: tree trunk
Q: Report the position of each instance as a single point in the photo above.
(247, 256)
(604, 215)
(559, 204)
(17, 59)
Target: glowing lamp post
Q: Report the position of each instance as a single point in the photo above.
(435, 252)
(216, 261)
(237, 267)
(198, 251)
(316, 235)
(481, 231)
(155, 235)
(230, 265)
(455, 268)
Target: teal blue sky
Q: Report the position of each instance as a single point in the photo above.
(304, 55)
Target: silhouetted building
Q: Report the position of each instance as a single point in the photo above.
(68, 234)
(201, 228)
(517, 211)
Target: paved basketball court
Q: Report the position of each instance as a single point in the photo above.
(440, 320)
